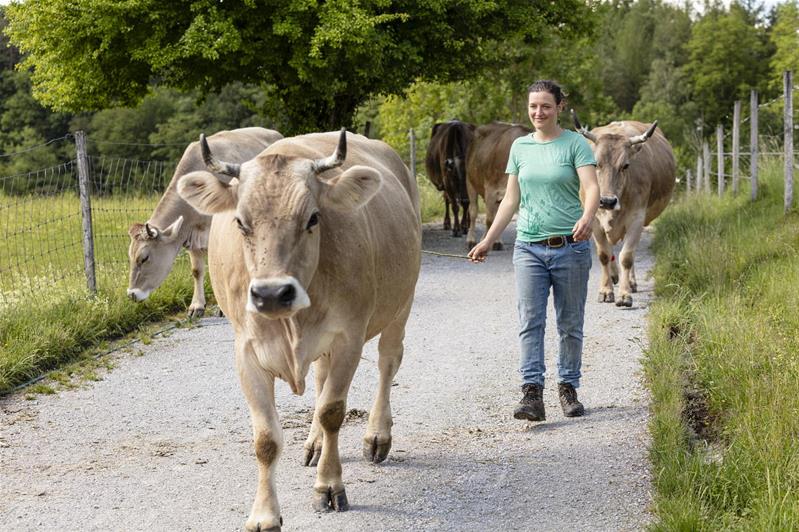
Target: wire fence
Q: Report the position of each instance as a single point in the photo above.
(42, 246)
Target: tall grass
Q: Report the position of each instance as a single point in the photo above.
(722, 363)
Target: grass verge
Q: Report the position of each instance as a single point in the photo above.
(722, 364)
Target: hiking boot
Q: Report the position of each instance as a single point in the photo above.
(531, 407)
(568, 400)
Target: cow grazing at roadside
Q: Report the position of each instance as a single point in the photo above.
(175, 224)
(485, 168)
(310, 256)
(636, 173)
(446, 169)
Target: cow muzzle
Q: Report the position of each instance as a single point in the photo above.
(277, 297)
(137, 294)
(609, 203)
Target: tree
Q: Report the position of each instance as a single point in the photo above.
(322, 58)
(728, 57)
(785, 37)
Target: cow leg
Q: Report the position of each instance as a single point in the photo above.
(456, 227)
(604, 251)
(627, 258)
(313, 445)
(465, 219)
(471, 238)
(492, 205)
(329, 492)
(447, 222)
(197, 307)
(377, 440)
(259, 391)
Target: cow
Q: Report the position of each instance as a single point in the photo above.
(636, 173)
(174, 223)
(310, 256)
(485, 168)
(446, 169)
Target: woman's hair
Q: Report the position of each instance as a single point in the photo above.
(547, 85)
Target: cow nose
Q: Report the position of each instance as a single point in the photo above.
(607, 202)
(273, 297)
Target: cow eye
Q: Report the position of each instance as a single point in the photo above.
(624, 167)
(144, 259)
(243, 228)
(312, 221)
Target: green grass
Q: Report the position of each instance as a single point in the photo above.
(722, 363)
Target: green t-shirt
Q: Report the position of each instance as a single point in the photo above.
(548, 183)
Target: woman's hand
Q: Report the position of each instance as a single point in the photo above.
(582, 229)
(479, 251)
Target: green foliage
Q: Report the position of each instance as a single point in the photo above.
(786, 44)
(323, 59)
(728, 57)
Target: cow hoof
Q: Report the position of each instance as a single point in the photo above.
(625, 301)
(326, 501)
(312, 455)
(447, 226)
(606, 297)
(634, 288)
(374, 450)
(196, 312)
(497, 246)
(615, 279)
(258, 527)
(470, 244)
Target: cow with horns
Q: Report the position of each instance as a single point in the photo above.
(636, 174)
(310, 256)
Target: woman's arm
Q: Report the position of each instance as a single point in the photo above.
(506, 210)
(588, 182)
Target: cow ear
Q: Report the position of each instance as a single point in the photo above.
(207, 194)
(435, 128)
(136, 231)
(352, 189)
(171, 233)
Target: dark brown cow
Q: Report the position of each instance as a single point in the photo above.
(485, 169)
(636, 174)
(446, 169)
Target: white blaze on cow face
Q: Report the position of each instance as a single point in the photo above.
(151, 253)
(280, 204)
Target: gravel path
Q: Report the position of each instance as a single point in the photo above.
(162, 442)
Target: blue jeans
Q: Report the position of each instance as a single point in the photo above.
(565, 269)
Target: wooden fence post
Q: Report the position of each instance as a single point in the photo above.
(720, 157)
(788, 129)
(698, 184)
(753, 143)
(412, 137)
(736, 145)
(706, 162)
(86, 210)
(688, 181)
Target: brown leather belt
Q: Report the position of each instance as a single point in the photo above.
(555, 241)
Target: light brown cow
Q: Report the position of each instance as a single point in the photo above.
(485, 171)
(174, 223)
(310, 256)
(636, 173)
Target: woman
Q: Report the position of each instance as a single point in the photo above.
(545, 173)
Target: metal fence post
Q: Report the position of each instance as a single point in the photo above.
(412, 137)
(720, 157)
(753, 142)
(736, 145)
(706, 162)
(86, 210)
(787, 79)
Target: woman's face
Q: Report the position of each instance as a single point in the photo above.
(542, 109)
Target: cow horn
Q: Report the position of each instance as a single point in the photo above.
(638, 139)
(582, 130)
(337, 159)
(228, 170)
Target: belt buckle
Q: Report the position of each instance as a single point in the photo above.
(556, 242)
